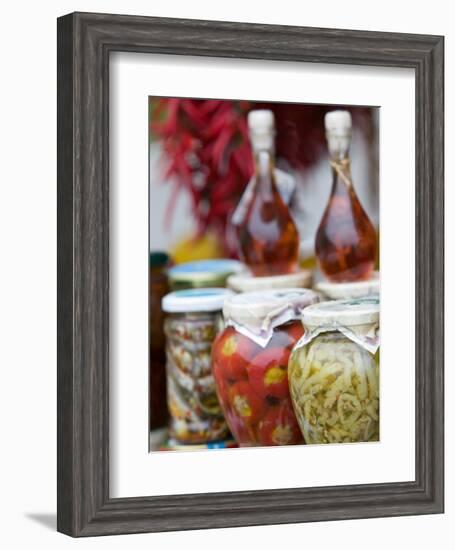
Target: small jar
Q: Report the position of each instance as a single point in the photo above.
(250, 365)
(246, 282)
(158, 288)
(203, 273)
(334, 372)
(346, 291)
(193, 320)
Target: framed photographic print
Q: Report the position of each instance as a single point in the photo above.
(250, 284)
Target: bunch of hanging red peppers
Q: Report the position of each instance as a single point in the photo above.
(207, 151)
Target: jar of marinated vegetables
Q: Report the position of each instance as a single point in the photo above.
(193, 320)
(250, 364)
(334, 372)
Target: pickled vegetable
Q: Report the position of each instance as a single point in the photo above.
(195, 412)
(334, 385)
(253, 388)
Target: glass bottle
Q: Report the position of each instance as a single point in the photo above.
(268, 237)
(346, 239)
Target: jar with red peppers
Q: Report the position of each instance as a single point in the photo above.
(250, 365)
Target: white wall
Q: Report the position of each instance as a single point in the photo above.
(28, 270)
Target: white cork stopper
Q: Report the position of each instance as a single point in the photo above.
(338, 126)
(261, 123)
(338, 121)
(261, 120)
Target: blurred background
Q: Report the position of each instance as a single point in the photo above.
(201, 162)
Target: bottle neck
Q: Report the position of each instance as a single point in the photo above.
(262, 139)
(263, 145)
(264, 170)
(338, 144)
(264, 160)
(341, 173)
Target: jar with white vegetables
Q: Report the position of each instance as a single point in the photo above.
(334, 372)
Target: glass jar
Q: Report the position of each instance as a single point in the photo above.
(334, 372)
(193, 320)
(250, 365)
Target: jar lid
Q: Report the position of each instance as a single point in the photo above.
(158, 258)
(206, 272)
(256, 314)
(195, 300)
(247, 282)
(344, 291)
(346, 313)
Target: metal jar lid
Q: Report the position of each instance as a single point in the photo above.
(195, 300)
(204, 273)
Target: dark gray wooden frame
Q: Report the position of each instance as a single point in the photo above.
(84, 44)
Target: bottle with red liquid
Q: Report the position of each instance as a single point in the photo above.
(268, 237)
(346, 239)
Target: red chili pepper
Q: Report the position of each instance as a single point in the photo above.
(232, 352)
(268, 373)
(279, 426)
(245, 403)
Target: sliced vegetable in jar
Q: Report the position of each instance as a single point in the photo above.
(245, 402)
(279, 426)
(268, 374)
(234, 352)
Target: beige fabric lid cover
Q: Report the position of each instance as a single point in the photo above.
(256, 314)
(357, 319)
(246, 282)
(344, 291)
